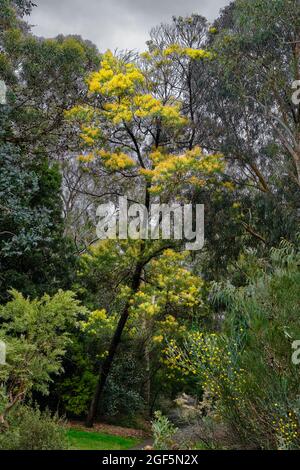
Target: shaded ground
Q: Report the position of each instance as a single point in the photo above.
(110, 429)
(105, 437)
(210, 435)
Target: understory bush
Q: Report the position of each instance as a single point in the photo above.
(163, 432)
(248, 368)
(32, 429)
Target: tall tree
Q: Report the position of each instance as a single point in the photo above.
(44, 78)
(130, 135)
(260, 56)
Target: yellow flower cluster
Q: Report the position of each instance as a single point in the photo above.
(88, 158)
(141, 107)
(144, 303)
(211, 362)
(180, 286)
(158, 339)
(197, 54)
(119, 111)
(177, 170)
(115, 78)
(170, 321)
(166, 327)
(89, 135)
(171, 116)
(174, 49)
(98, 315)
(147, 105)
(80, 113)
(97, 321)
(171, 284)
(121, 83)
(194, 54)
(116, 161)
(286, 430)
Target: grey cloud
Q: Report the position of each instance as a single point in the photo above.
(114, 23)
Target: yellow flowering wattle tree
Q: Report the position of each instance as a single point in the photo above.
(133, 135)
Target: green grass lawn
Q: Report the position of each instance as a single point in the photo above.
(83, 440)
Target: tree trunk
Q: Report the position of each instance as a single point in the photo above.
(106, 367)
(147, 384)
(297, 162)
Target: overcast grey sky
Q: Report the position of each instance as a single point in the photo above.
(114, 24)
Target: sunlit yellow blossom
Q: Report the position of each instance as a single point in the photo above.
(197, 54)
(115, 78)
(89, 134)
(194, 54)
(116, 161)
(179, 169)
(174, 49)
(98, 315)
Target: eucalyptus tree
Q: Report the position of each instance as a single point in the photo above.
(43, 79)
(259, 53)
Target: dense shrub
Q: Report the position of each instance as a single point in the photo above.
(248, 369)
(163, 432)
(31, 429)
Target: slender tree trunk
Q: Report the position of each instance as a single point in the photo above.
(297, 160)
(147, 383)
(297, 77)
(106, 367)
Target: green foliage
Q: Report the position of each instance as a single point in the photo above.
(47, 84)
(248, 370)
(11, 11)
(44, 78)
(31, 429)
(75, 390)
(34, 256)
(263, 322)
(36, 334)
(259, 57)
(163, 432)
(123, 391)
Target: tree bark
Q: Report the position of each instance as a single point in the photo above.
(147, 383)
(297, 161)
